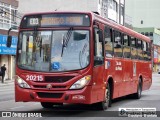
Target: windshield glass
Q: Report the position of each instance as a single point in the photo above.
(48, 51)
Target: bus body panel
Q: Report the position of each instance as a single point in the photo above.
(127, 76)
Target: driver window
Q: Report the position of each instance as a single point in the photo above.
(98, 47)
(23, 51)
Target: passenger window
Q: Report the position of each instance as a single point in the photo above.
(149, 51)
(133, 48)
(117, 44)
(133, 42)
(126, 47)
(108, 42)
(139, 44)
(144, 46)
(145, 56)
(139, 50)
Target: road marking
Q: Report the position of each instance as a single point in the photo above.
(17, 107)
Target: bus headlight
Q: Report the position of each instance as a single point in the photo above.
(81, 83)
(22, 83)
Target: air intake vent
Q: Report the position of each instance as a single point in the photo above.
(49, 95)
(44, 86)
(57, 79)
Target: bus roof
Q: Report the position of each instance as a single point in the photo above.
(121, 28)
(108, 22)
(38, 13)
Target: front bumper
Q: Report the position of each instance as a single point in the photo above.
(68, 96)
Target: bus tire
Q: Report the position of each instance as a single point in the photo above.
(139, 90)
(49, 104)
(107, 102)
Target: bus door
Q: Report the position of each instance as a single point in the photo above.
(134, 65)
(109, 60)
(98, 69)
(127, 76)
(119, 64)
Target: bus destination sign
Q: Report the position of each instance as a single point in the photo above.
(62, 20)
(56, 20)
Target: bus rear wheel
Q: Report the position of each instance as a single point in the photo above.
(49, 104)
(107, 102)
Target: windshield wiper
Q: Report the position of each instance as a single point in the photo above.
(66, 39)
(40, 46)
(35, 35)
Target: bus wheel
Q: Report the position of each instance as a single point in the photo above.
(139, 90)
(107, 102)
(49, 104)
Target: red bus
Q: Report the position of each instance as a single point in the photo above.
(79, 57)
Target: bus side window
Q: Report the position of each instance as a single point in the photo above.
(117, 44)
(133, 48)
(149, 51)
(145, 51)
(126, 46)
(108, 42)
(98, 48)
(139, 50)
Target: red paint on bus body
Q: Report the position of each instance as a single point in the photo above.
(120, 70)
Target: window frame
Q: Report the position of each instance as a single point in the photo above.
(126, 46)
(98, 60)
(115, 43)
(111, 41)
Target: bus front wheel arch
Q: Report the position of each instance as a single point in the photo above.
(107, 99)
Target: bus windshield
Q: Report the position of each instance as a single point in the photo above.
(42, 50)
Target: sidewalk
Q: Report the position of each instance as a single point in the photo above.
(6, 82)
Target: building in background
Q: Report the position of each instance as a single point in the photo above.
(144, 13)
(112, 9)
(8, 18)
(144, 16)
(156, 58)
(154, 34)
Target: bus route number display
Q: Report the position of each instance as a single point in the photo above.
(51, 20)
(34, 21)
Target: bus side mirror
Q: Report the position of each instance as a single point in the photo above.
(9, 41)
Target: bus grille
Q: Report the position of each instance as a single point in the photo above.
(44, 86)
(49, 95)
(57, 79)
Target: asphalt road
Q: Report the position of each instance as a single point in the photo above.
(150, 99)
